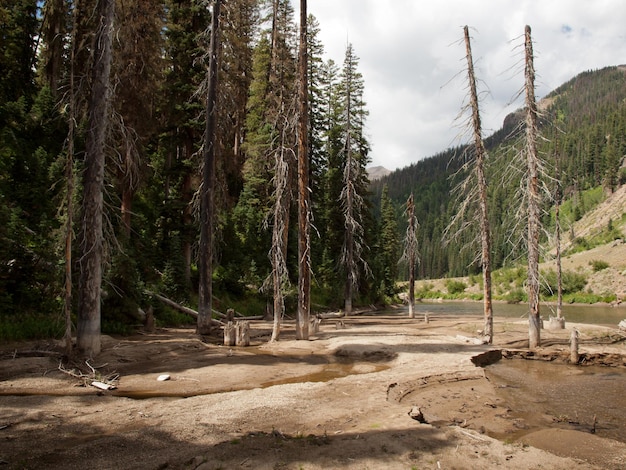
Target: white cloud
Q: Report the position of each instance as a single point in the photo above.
(412, 59)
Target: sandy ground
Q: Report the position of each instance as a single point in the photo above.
(339, 400)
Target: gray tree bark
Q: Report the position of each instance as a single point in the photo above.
(304, 218)
(89, 313)
(207, 200)
(479, 166)
(533, 196)
(410, 250)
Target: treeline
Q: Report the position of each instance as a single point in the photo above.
(156, 127)
(583, 128)
(154, 144)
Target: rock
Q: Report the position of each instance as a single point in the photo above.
(622, 325)
(417, 415)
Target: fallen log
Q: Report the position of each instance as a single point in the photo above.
(181, 308)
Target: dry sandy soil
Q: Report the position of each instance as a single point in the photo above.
(339, 400)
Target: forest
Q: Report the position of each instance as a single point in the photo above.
(156, 144)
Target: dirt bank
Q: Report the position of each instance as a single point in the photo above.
(340, 400)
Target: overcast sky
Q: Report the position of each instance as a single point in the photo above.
(412, 58)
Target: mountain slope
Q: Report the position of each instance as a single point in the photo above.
(583, 122)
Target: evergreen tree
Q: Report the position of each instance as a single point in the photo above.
(388, 245)
(176, 163)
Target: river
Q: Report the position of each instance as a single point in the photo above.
(591, 314)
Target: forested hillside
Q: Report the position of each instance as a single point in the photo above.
(583, 128)
(93, 120)
(103, 138)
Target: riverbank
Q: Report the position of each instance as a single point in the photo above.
(340, 400)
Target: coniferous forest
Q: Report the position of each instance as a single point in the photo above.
(52, 54)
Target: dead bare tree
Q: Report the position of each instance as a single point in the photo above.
(559, 321)
(279, 276)
(304, 214)
(91, 247)
(557, 229)
(69, 196)
(533, 195)
(480, 155)
(350, 198)
(207, 191)
(410, 254)
(472, 191)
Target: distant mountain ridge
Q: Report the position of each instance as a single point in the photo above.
(377, 172)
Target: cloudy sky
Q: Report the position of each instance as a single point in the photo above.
(412, 58)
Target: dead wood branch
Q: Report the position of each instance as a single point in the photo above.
(35, 353)
(182, 308)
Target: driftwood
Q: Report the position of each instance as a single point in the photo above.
(181, 308)
(105, 383)
(237, 316)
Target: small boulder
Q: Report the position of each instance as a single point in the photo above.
(417, 415)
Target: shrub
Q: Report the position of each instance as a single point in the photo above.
(571, 282)
(455, 287)
(514, 296)
(598, 265)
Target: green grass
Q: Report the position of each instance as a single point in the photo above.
(30, 326)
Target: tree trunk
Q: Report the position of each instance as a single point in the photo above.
(207, 201)
(279, 239)
(88, 329)
(349, 211)
(485, 232)
(557, 229)
(411, 251)
(187, 216)
(304, 220)
(69, 175)
(532, 187)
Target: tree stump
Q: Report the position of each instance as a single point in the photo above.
(149, 325)
(242, 333)
(230, 315)
(230, 334)
(314, 328)
(573, 347)
(556, 323)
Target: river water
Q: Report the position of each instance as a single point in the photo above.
(599, 315)
(558, 395)
(550, 394)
